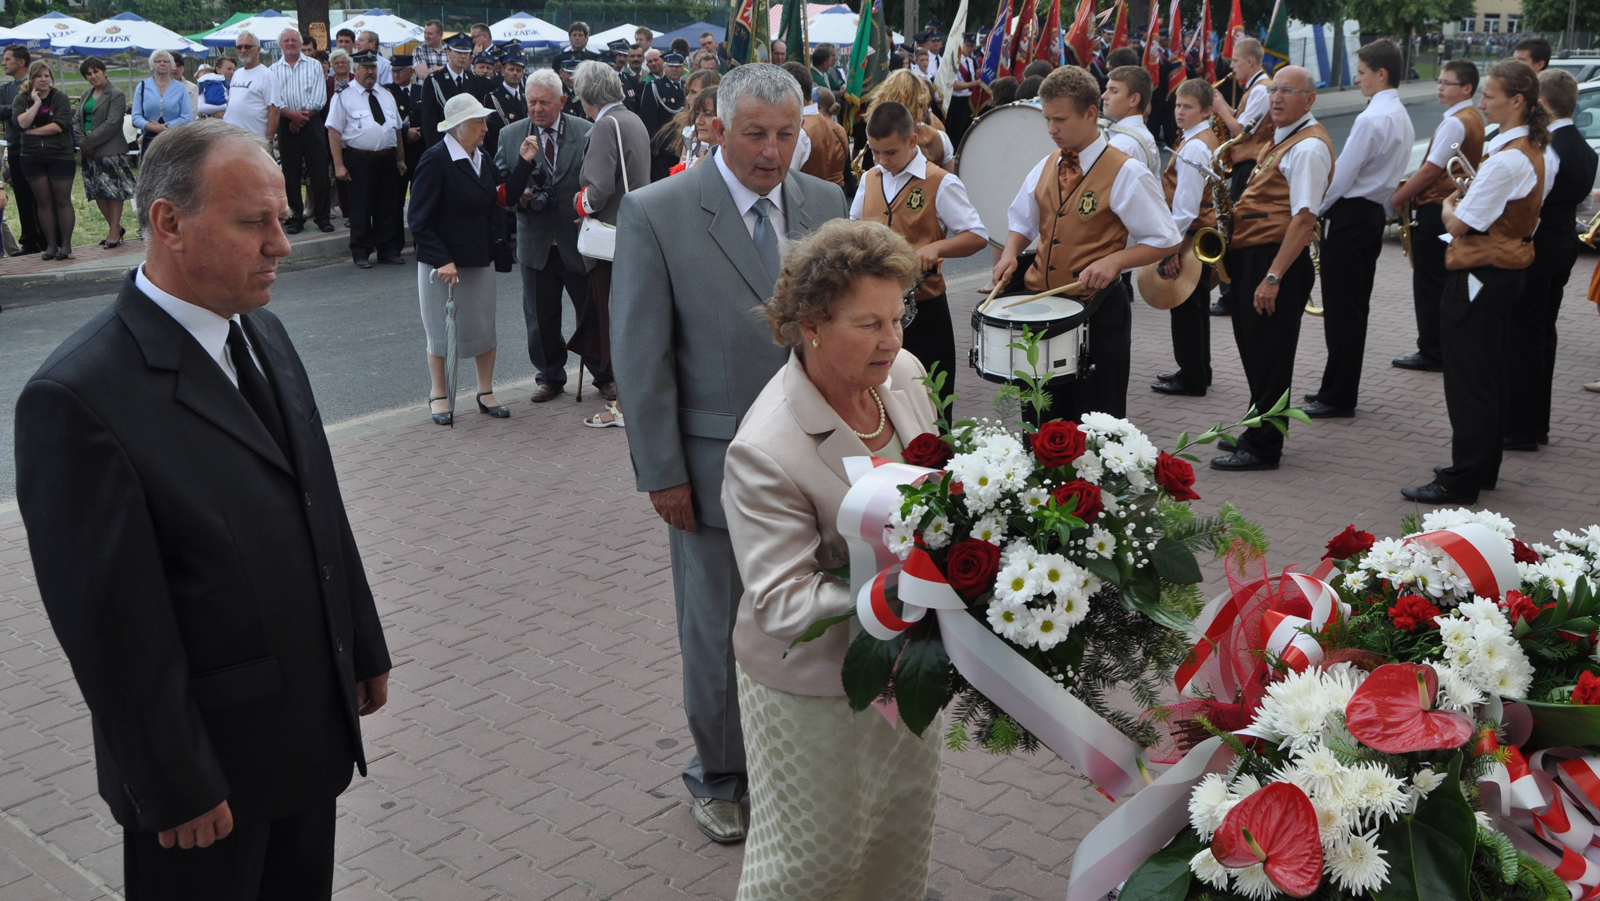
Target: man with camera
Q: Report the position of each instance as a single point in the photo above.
(547, 233)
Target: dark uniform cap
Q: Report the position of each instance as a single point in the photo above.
(483, 57)
(970, 37)
(571, 65)
(672, 59)
(513, 59)
(460, 44)
(619, 46)
(401, 61)
(364, 58)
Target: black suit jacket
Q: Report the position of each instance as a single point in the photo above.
(454, 211)
(206, 588)
(409, 101)
(1573, 182)
(504, 109)
(437, 90)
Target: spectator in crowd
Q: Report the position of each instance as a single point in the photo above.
(1003, 90)
(659, 107)
(482, 39)
(841, 803)
(1534, 51)
(708, 43)
(408, 98)
(214, 89)
(616, 162)
(778, 53)
(302, 137)
(911, 91)
(363, 126)
(368, 41)
(15, 59)
(644, 38)
(922, 63)
(180, 75)
(483, 67)
(455, 78)
(452, 217)
(253, 100)
(344, 39)
(340, 77)
(159, 102)
(653, 67)
(1029, 89)
(431, 55)
(44, 114)
(706, 61)
(702, 141)
(107, 179)
(678, 134)
(547, 233)
(321, 56)
(679, 46)
(578, 36)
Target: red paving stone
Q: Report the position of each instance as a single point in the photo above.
(532, 741)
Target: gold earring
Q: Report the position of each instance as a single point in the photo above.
(813, 342)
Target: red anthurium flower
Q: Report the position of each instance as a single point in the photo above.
(1393, 712)
(1277, 828)
(1588, 690)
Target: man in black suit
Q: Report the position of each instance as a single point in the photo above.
(455, 78)
(506, 101)
(192, 549)
(408, 96)
(1531, 338)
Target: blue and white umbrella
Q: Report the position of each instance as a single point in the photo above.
(390, 30)
(38, 32)
(531, 30)
(7, 36)
(266, 25)
(123, 33)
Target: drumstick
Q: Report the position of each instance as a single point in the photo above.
(1043, 294)
(990, 299)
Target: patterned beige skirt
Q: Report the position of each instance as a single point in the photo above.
(841, 803)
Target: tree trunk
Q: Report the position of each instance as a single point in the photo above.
(313, 16)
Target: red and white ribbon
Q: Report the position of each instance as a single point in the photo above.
(1286, 636)
(1553, 795)
(1481, 553)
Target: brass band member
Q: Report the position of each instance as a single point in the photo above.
(1189, 195)
(1426, 190)
(1096, 213)
(1127, 100)
(1569, 173)
(1269, 260)
(1252, 106)
(1492, 244)
(1368, 168)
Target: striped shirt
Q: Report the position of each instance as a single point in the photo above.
(301, 86)
(427, 56)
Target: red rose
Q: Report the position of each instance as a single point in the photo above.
(1588, 690)
(1348, 544)
(971, 566)
(1087, 496)
(927, 450)
(1176, 476)
(1412, 611)
(1522, 553)
(1058, 443)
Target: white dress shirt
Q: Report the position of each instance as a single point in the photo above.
(950, 204)
(457, 152)
(385, 71)
(1133, 137)
(350, 114)
(301, 86)
(1450, 131)
(1375, 155)
(1136, 199)
(745, 199)
(209, 329)
(1189, 195)
(802, 150)
(1502, 178)
(1256, 100)
(1306, 166)
(1552, 160)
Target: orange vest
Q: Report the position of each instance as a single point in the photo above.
(1509, 241)
(1262, 214)
(1250, 148)
(1169, 181)
(829, 153)
(910, 214)
(1076, 228)
(1471, 147)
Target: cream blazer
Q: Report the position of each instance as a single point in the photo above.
(782, 485)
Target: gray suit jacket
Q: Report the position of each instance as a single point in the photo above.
(690, 353)
(537, 230)
(602, 171)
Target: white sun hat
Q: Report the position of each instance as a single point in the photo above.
(459, 109)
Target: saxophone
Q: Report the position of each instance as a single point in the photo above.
(1405, 215)
(1211, 242)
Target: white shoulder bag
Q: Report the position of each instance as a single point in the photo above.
(598, 240)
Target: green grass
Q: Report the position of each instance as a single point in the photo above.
(90, 227)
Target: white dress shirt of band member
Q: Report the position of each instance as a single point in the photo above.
(1126, 102)
(1252, 109)
(1355, 210)
(1192, 209)
(353, 126)
(253, 101)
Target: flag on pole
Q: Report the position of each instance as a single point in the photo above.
(1208, 59)
(1119, 33)
(1050, 42)
(994, 49)
(1235, 30)
(869, 57)
(950, 63)
(1152, 44)
(1175, 48)
(792, 29)
(1276, 47)
(1023, 39)
(1081, 37)
(747, 31)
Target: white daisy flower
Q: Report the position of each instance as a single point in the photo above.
(1020, 551)
(1563, 570)
(1008, 620)
(1048, 628)
(1117, 458)
(1054, 573)
(1143, 452)
(901, 540)
(990, 529)
(1089, 468)
(1100, 541)
(1034, 500)
(937, 533)
(1357, 864)
(1015, 584)
(1211, 872)
(1253, 883)
(1073, 610)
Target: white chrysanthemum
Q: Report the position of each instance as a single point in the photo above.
(1211, 872)
(1101, 542)
(1460, 516)
(1034, 500)
(1015, 584)
(1378, 793)
(1483, 610)
(999, 444)
(1073, 610)
(937, 533)
(1514, 678)
(1117, 458)
(1319, 770)
(1053, 573)
(1245, 785)
(1454, 631)
(1008, 619)
(1484, 822)
(1143, 452)
(1020, 551)
(990, 529)
(1104, 424)
(1339, 683)
(1357, 864)
(1426, 780)
(1253, 883)
(1209, 803)
(1456, 691)
(1563, 570)
(1089, 467)
(900, 540)
(1333, 820)
(1045, 629)
(1585, 542)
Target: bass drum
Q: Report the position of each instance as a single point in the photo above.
(996, 154)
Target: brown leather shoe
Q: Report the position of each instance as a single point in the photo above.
(608, 391)
(546, 392)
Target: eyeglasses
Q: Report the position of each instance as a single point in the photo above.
(1287, 93)
(247, 46)
(1449, 84)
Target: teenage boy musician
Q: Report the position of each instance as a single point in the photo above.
(1188, 193)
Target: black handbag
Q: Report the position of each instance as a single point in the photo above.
(501, 243)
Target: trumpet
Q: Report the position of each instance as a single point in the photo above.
(1218, 127)
(1405, 215)
(855, 165)
(1211, 242)
(1314, 306)
(1461, 169)
(1588, 236)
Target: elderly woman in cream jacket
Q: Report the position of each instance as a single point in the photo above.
(842, 803)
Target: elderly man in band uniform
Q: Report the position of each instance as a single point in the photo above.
(363, 135)
(694, 254)
(407, 93)
(661, 101)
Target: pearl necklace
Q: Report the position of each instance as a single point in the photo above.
(883, 419)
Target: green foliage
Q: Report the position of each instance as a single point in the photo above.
(922, 680)
(1165, 875)
(1551, 16)
(815, 630)
(869, 667)
(1430, 852)
(1228, 531)
(1399, 17)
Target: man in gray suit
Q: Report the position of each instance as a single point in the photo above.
(547, 233)
(695, 254)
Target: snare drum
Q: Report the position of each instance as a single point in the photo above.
(1060, 322)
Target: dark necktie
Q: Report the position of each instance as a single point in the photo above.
(550, 148)
(377, 108)
(253, 385)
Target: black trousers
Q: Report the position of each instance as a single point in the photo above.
(1531, 335)
(1240, 178)
(1268, 341)
(1473, 334)
(305, 154)
(1350, 251)
(541, 312)
(1428, 277)
(374, 192)
(31, 238)
(959, 119)
(1191, 335)
(289, 859)
(931, 338)
(1105, 390)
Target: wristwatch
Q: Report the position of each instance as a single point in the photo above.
(1272, 279)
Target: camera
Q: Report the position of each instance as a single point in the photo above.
(538, 192)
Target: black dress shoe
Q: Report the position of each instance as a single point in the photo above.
(446, 418)
(1227, 444)
(325, 226)
(498, 412)
(396, 260)
(363, 263)
(1309, 397)
(293, 228)
(1510, 445)
(1176, 388)
(545, 393)
(1217, 309)
(1242, 461)
(1169, 376)
(1435, 493)
(1439, 470)
(1319, 410)
(1417, 362)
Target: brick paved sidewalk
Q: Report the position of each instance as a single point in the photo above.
(533, 738)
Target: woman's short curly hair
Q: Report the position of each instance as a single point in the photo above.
(821, 269)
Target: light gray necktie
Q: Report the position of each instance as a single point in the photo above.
(766, 239)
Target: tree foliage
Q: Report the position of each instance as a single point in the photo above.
(1400, 17)
(1551, 15)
